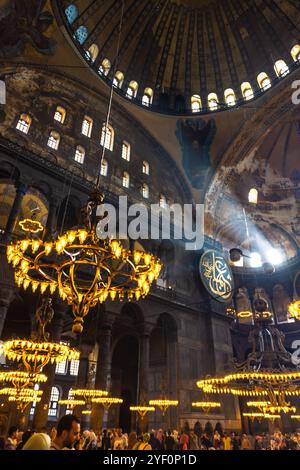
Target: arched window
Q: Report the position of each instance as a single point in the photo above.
(92, 52)
(196, 103)
(253, 196)
(162, 200)
(104, 168)
(281, 68)
(53, 140)
(126, 151)
(87, 125)
(146, 168)
(61, 367)
(74, 367)
(60, 114)
(71, 13)
(53, 404)
(264, 81)
(79, 154)
(295, 52)
(33, 405)
(229, 96)
(118, 79)
(247, 91)
(147, 97)
(145, 191)
(24, 123)
(107, 137)
(105, 67)
(81, 34)
(125, 180)
(212, 101)
(132, 89)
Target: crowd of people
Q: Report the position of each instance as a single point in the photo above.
(67, 436)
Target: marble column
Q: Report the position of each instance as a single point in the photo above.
(6, 296)
(16, 207)
(143, 374)
(172, 391)
(41, 412)
(103, 373)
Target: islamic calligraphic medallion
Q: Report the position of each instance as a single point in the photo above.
(216, 275)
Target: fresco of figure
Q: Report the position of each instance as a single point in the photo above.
(25, 22)
(195, 138)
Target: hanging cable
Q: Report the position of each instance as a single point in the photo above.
(111, 94)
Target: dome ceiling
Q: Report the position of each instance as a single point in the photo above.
(273, 169)
(181, 48)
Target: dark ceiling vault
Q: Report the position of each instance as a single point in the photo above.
(179, 49)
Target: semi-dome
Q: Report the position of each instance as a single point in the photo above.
(187, 56)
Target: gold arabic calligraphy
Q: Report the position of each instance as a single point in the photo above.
(219, 280)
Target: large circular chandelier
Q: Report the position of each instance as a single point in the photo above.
(35, 355)
(84, 268)
(22, 396)
(267, 372)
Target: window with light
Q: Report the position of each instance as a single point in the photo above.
(87, 125)
(60, 114)
(79, 154)
(212, 101)
(146, 168)
(264, 81)
(53, 140)
(247, 91)
(281, 68)
(107, 137)
(196, 104)
(24, 123)
(125, 180)
(126, 151)
(147, 97)
(74, 367)
(53, 404)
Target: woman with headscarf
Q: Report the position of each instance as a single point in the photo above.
(38, 441)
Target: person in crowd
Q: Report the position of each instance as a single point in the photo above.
(68, 432)
(106, 440)
(206, 441)
(184, 441)
(193, 441)
(132, 440)
(169, 441)
(156, 440)
(218, 442)
(119, 441)
(25, 436)
(38, 441)
(11, 441)
(226, 442)
(143, 442)
(235, 441)
(245, 445)
(91, 442)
